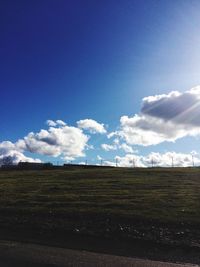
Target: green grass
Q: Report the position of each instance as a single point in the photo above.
(160, 194)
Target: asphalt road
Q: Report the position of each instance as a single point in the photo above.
(14, 254)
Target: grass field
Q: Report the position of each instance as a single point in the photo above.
(153, 204)
(161, 194)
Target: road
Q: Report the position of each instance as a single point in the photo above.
(14, 254)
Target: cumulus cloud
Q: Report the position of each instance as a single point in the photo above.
(92, 126)
(66, 141)
(181, 108)
(11, 151)
(166, 117)
(59, 140)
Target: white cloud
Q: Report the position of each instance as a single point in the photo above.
(167, 159)
(126, 148)
(109, 163)
(116, 145)
(11, 151)
(92, 126)
(59, 140)
(170, 159)
(82, 163)
(51, 123)
(65, 141)
(60, 122)
(107, 147)
(99, 157)
(130, 160)
(181, 108)
(162, 118)
(55, 123)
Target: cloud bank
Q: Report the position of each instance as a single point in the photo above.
(168, 159)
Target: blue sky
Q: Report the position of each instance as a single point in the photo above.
(77, 60)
